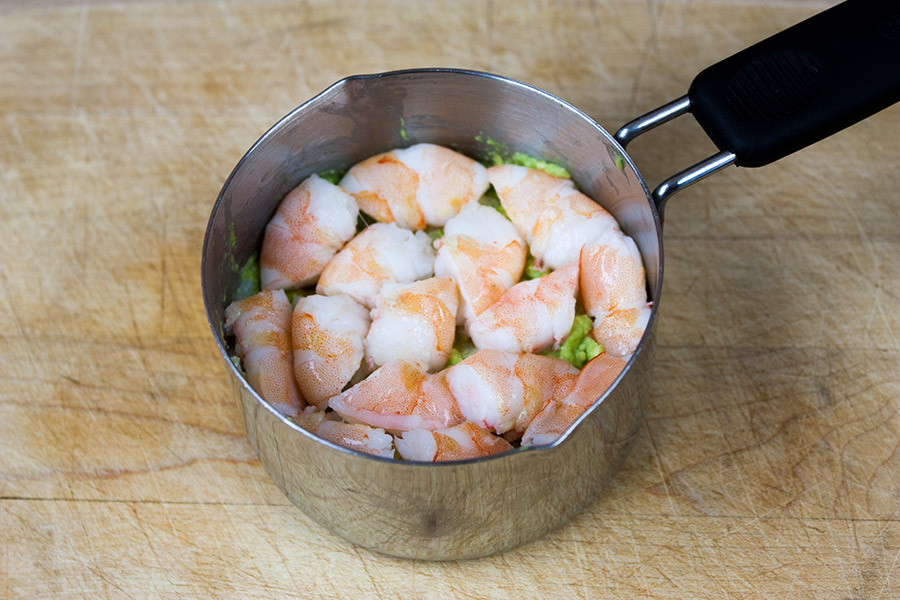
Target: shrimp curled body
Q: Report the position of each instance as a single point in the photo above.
(399, 396)
(311, 224)
(421, 185)
(531, 315)
(483, 253)
(415, 322)
(463, 441)
(327, 336)
(353, 436)
(261, 325)
(381, 253)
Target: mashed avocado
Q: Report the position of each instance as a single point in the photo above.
(577, 350)
(292, 295)
(229, 252)
(490, 198)
(526, 160)
(248, 284)
(532, 272)
(332, 175)
(462, 349)
(494, 152)
(579, 347)
(497, 154)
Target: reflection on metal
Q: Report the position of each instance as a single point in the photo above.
(690, 176)
(652, 119)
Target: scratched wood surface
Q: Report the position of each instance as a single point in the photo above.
(769, 463)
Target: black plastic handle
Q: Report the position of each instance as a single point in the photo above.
(803, 84)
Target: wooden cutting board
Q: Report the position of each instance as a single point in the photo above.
(769, 463)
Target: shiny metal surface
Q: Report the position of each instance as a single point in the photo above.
(682, 179)
(652, 119)
(690, 176)
(452, 510)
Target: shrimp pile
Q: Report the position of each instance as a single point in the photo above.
(429, 324)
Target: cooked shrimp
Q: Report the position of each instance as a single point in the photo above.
(362, 438)
(311, 224)
(400, 397)
(483, 253)
(456, 443)
(381, 253)
(613, 292)
(561, 226)
(327, 334)
(419, 185)
(531, 315)
(385, 189)
(309, 418)
(414, 322)
(555, 218)
(524, 192)
(262, 328)
(359, 437)
(503, 391)
(561, 411)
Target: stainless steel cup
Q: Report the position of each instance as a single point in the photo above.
(757, 106)
(453, 510)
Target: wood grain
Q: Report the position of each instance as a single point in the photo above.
(769, 463)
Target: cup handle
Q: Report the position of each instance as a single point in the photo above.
(788, 91)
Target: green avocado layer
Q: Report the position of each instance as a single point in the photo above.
(532, 272)
(462, 349)
(490, 198)
(248, 283)
(332, 175)
(498, 154)
(526, 160)
(579, 347)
